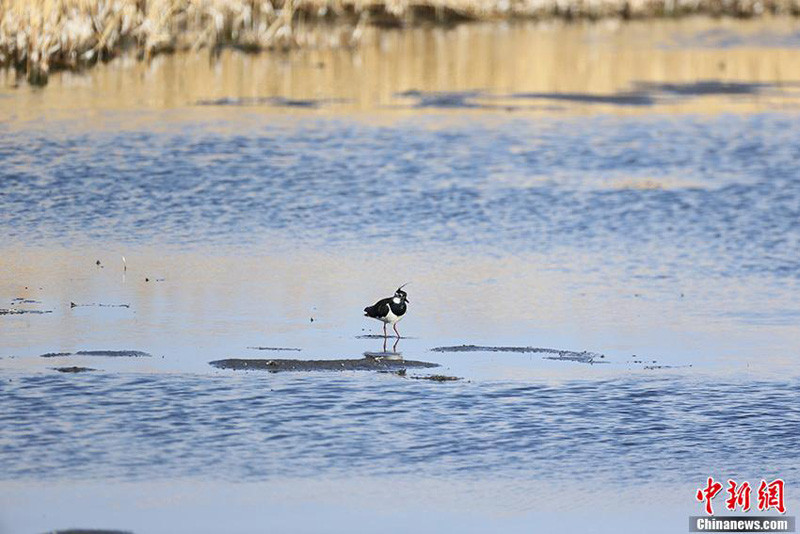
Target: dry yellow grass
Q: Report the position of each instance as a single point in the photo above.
(39, 35)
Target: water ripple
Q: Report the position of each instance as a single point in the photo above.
(712, 194)
(256, 427)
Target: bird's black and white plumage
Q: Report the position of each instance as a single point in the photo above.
(389, 310)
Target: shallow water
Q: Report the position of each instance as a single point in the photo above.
(713, 195)
(257, 427)
(648, 214)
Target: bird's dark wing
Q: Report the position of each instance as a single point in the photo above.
(379, 309)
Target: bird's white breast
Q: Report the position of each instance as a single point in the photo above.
(391, 318)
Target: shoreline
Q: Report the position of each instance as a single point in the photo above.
(37, 39)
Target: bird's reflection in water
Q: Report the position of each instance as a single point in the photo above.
(386, 354)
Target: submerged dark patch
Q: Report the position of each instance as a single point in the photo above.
(721, 38)
(276, 101)
(277, 349)
(21, 300)
(55, 354)
(364, 364)
(641, 94)
(6, 311)
(106, 353)
(650, 94)
(436, 378)
(99, 305)
(443, 99)
(486, 348)
(73, 369)
(580, 357)
(454, 100)
(705, 88)
(381, 336)
(553, 354)
(616, 99)
(114, 353)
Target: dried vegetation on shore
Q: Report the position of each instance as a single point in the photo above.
(37, 36)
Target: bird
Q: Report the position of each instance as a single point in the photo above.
(389, 310)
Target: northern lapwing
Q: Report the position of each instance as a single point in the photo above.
(389, 310)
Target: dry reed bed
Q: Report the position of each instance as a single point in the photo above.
(39, 35)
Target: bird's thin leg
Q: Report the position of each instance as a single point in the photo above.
(395, 330)
(384, 330)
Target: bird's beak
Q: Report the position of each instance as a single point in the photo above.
(407, 300)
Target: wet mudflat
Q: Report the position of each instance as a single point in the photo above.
(605, 258)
